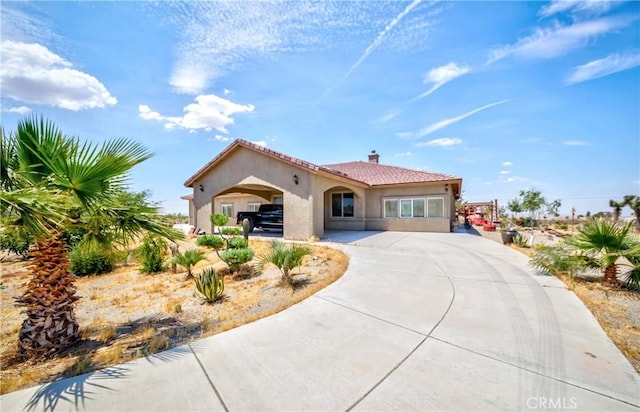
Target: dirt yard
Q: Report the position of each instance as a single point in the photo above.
(126, 314)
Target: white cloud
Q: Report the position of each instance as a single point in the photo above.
(440, 76)
(19, 110)
(551, 42)
(404, 135)
(577, 6)
(388, 116)
(505, 172)
(575, 143)
(442, 142)
(221, 138)
(446, 122)
(262, 143)
(611, 64)
(507, 164)
(404, 154)
(208, 112)
(31, 73)
(226, 91)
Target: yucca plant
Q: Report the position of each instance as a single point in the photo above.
(557, 260)
(284, 257)
(189, 259)
(521, 241)
(602, 243)
(209, 286)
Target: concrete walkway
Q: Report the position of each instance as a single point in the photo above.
(419, 322)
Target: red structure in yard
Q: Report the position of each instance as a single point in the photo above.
(483, 214)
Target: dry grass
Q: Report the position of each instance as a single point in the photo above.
(127, 314)
(612, 308)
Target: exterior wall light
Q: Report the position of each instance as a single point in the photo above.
(295, 179)
(201, 187)
(446, 187)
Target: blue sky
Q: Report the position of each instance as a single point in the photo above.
(506, 95)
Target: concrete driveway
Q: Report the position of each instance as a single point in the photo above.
(419, 322)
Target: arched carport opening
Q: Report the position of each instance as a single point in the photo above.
(245, 198)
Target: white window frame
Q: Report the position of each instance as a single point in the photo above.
(275, 200)
(400, 200)
(223, 206)
(253, 206)
(443, 208)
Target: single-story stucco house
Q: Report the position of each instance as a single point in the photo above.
(359, 195)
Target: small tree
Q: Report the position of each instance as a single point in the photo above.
(553, 207)
(152, 252)
(515, 206)
(617, 208)
(532, 202)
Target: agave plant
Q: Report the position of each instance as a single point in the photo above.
(189, 259)
(209, 286)
(602, 243)
(284, 257)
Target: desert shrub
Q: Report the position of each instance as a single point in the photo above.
(520, 241)
(209, 286)
(562, 226)
(212, 241)
(152, 253)
(231, 230)
(16, 241)
(234, 258)
(238, 243)
(189, 259)
(284, 257)
(557, 260)
(90, 261)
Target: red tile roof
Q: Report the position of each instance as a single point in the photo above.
(368, 173)
(375, 174)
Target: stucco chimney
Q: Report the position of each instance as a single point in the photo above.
(374, 157)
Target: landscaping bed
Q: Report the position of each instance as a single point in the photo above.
(126, 314)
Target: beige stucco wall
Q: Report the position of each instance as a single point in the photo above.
(246, 167)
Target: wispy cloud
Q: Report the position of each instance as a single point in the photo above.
(31, 73)
(442, 75)
(208, 112)
(446, 122)
(262, 143)
(575, 143)
(611, 64)
(595, 7)
(19, 110)
(374, 45)
(442, 142)
(507, 164)
(504, 172)
(559, 39)
(218, 38)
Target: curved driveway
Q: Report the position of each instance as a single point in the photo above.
(420, 321)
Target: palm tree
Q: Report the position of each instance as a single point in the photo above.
(285, 258)
(189, 259)
(617, 208)
(602, 243)
(50, 182)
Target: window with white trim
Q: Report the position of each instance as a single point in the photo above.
(277, 200)
(414, 207)
(253, 207)
(342, 204)
(227, 209)
(435, 207)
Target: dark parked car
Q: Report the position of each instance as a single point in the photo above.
(267, 217)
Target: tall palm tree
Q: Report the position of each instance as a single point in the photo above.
(50, 182)
(602, 243)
